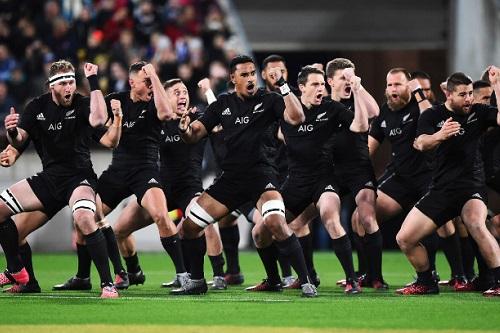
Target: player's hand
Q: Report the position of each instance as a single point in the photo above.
(90, 69)
(149, 70)
(204, 85)
(442, 86)
(348, 73)
(8, 156)
(274, 74)
(186, 119)
(355, 83)
(116, 108)
(493, 75)
(450, 128)
(414, 85)
(11, 120)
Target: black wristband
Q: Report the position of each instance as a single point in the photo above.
(281, 81)
(93, 82)
(420, 93)
(13, 132)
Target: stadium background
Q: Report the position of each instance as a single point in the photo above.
(192, 39)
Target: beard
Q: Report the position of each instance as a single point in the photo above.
(398, 103)
(65, 100)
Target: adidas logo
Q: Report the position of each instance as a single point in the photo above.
(440, 124)
(153, 181)
(226, 112)
(370, 183)
(84, 182)
(477, 195)
(270, 185)
(330, 188)
(40, 116)
(383, 124)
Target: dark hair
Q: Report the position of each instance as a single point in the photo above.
(136, 66)
(480, 84)
(171, 83)
(420, 75)
(304, 73)
(239, 59)
(338, 63)
(457, 79)
(400, 70)
(272, 58)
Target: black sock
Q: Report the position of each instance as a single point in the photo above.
(84, 261)
(230, 237)
(343, 251)
(132, 263)
(426, 277)
(373, 243)
(185, 252)
(25, 254)
(269, 256)
(217, 264)
(467, 257)
(359, 245)
(172, 245)
(451, 249)
(113, 252)
(496, 274)
(291, 248)
(286, 268)
(9, 238)
(483, 270)
(431, 245)
(306, 242)
(96, 246)
(196, 255)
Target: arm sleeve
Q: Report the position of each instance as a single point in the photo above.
(488, 114)
(84, 110)
(426, 123)
(28, 118)
(278, 106)
(210, 118)
(98, 133)
(376, 130)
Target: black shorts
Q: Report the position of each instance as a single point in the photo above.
(352, 180)
(54, 191)
(235, 189)
(299, 192)
(180, 195)
(406, 191)
(116, 184)
(493, 182)
(443, 205)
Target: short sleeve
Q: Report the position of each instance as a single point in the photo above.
(426, 123)
(210, 118)
(28, 118)
(376, 128)
(488, 114)
(278, 106)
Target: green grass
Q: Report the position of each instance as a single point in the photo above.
(151, 305)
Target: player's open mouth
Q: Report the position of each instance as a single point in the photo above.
(250, 86)
(67, 97)
(395, 96)
(347, 90)
(319, 96)
(181, 105)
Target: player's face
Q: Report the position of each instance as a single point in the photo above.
(64, 91)
(244, 79)
(179, 98)
(397, 91)
(482, 95)
(461, 98)
(339, 85)
(426, 87)
(140, 85)
(313, 90)
(269, 82)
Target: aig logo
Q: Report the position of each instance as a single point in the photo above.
(129, 124)
(461, 131)
(395, 131)
(305, 128)
(242, 120)
(55, 127)
(173, 138)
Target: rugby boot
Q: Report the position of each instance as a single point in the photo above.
(136, 278)
(109, 291)
(288, 281)
(218, 283)
(74, 283)
(352, 287)
(493, 291)
(294, 285)
(234, 279)
(172, 284)
(309, 290)
(122, 280)
(418, 288)
(4, 279)
(265, 285)
(29, 288)
(191, 287)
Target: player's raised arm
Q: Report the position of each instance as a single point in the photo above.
(162, 105)
(111, 138)
(98, 113)
(294, 114)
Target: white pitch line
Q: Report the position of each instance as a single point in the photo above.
(166, 299)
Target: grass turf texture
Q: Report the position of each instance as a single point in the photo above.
(238, 310)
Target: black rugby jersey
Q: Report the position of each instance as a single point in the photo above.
(60, 134)
(244, 123)
(140, 139)
(180, 163)
(306, 144)
(459, 162)
(400, 128)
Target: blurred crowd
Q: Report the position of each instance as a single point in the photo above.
(189, 39)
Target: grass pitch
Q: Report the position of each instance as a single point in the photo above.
(149, 308)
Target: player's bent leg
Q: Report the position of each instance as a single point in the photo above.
(414, 228)
(386, 207)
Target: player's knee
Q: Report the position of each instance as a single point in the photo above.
(199, 216)
(273, 211)
(403, 241)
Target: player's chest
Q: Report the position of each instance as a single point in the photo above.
(400, 126)
(55, 122)
(241, 115)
